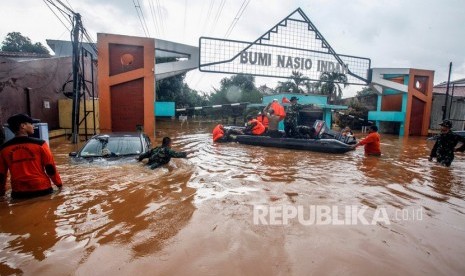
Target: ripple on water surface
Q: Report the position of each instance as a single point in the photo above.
(129, 206)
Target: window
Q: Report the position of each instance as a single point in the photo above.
(125, 145)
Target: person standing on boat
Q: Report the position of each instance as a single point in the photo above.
(371, 142)
(290, 121)
(254, 127)
(273, 122)
(444, 147)
(161, 155)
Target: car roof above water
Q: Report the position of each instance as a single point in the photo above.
(119, 134)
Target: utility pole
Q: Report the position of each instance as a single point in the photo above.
(77, 32)
(76, 82)
(444, 112)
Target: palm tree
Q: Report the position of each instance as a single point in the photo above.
(312, 87)
(285, 86)
(329, 84)
(299, 80)
(297, 83)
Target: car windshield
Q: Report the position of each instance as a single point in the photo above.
(116, 145)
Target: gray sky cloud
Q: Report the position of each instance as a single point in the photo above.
(424, 34)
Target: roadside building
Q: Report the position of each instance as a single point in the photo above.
(455, 110)
(35, 84)
(404, 100)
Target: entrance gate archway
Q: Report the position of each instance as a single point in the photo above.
(295, 44)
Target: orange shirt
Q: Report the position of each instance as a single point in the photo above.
(371, 143)
(218, 133)
(263, 119)
(278, 110)
(257, 127)
(30, 163)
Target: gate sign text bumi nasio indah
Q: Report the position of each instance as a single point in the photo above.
(295, 63)
(294, 44)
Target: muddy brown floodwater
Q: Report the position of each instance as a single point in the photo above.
(233, 209)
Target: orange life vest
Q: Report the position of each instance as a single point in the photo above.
(263, 119)
(278, 110)
(258, 128)
(218, 133)
(30, 163)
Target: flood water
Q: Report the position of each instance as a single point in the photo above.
(196, 216)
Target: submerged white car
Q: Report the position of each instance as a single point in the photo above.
(113, 146)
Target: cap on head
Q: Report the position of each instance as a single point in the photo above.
(15, 121)
(294, 98)
(446, 123)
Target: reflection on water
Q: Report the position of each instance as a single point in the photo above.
(197, 212)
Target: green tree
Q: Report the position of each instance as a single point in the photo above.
(174, 89)
(365, 91)
(329, 84)
(16, 42)
(297, 83)
(238, 88)
(285, 87)
(244, 82)
(358, 111)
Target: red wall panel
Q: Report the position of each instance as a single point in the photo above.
(416, 117)
(127, 100)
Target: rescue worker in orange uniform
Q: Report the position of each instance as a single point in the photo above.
(254, 127)
(371, 142)
(218, 134)
(262, 118)
(29, 161)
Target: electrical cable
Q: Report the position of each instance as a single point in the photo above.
(140, 19)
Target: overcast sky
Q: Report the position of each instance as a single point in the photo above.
(423, 34)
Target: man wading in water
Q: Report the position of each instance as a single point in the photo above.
(29, 160)
(162, 155)
(444, 147)
(371, 142)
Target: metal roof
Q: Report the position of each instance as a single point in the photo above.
(457, 88)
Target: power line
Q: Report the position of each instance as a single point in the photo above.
(208, 15)
(239, 13)
(154, 19)
(48, 3)
(90, 40)
(160, 16)
(144, 27)
(143, 17)
(66, 7)
(69, 4)
(202, 10)
(217, 17)
(57, 16)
